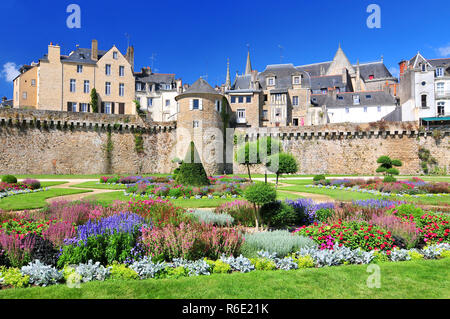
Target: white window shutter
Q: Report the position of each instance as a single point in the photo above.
(200, 104)
(191, 104)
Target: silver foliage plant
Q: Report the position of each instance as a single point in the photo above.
(434, 251)
(146, 268)
(337, 256)
(194, 268)
(211, 218)
(91, 271)
(40, 274)
(241, 263)
(280, 242)
(286, 263)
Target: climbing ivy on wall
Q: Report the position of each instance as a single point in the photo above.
(108, 149)
(138, 143)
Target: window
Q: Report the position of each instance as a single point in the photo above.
(368, 97)
(441, 108)
(115, 55)
(278, 112)
(379, 109)
(195, 104)
(108, 88)
(296, 80)
(440, 72)
(72, 85)
(295, 122)
(167, 103)
(121, 89)
(33, 82)
(324, 91)
(241, 116)
(347, 110)
(86, 86)
(149, 102)
(138, 86)
(424, 67)
(265, 115)
(241, 99)
(424, 83)
(233, 99)
(108, 69)
(265, 98)
(79, 68)
(168, 87)
(340, 97)
(365, 109)
(271, 81)
(440, 88)
(83, 107)
(356, 99)
(424, 100)
(218, 106)
(107, 107)
(121, 70)
(295, 100)
(248, 99)
(73, 107)
(24, 95)
(196, 124)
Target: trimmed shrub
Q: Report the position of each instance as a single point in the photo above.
(318, 178)
(192, 171)
(259, 194)
(280, 242)
(10, 179)
(278, 214)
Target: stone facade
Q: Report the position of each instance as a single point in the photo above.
(38, 142)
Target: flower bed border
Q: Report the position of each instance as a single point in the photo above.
(21, 192)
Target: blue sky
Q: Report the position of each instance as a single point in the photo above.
(195, 38)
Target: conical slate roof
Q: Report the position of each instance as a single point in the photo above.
(200, 86)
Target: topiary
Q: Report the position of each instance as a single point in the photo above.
(319, 178)
(387, 167)
(192, 171)
(260, 194)
(10, 179)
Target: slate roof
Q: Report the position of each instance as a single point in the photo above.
(366, 98)
(200, 86)
(377, 69)
(80, 56)
(159, 78)
(283, 74)
(315, 68)
(445, 63)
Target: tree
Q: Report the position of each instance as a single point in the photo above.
(190, 172)
(138, 107)
(387, 168)
(260, 194)
(286, 165)
(94, 100)
(263, 148)
(225, 116)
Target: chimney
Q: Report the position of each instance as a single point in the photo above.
(403, 67)
(179, 83)
(94, 50)
(130, 55)
(358, 78)
(332, 93)
(54, 53)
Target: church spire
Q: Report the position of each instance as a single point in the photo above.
(248, 68)
(228, 80)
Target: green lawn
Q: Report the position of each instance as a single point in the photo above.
(48, 184)
(402, 280)
(108, 198)
(35, 200)
(94, 185)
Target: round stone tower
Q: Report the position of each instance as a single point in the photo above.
(199, 120)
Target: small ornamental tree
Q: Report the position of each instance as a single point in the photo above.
(260, 194)
(387, 168)
(191, 171)
(94, 100)
(257, 152)
(286, 165)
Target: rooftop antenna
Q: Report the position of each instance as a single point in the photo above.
(153, 58)
(281, 53)
(128, 39)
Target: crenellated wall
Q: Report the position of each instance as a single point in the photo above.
(46, 142)
(354, 149)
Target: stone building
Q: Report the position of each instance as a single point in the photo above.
(199, 120)
(283, 94)
(425, 90)
(156, 94)
(64, 82)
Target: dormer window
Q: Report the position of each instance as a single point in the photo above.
(79, 68)
(355, 99)
(371, 77)
(271, 81)
(424, 67)
(440, 72)
(296, 80)
(115, 55)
